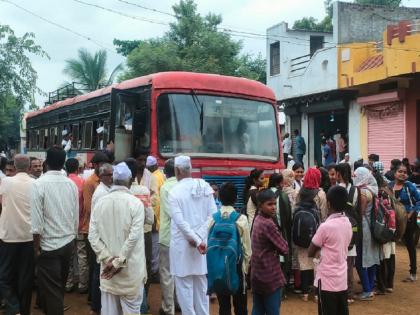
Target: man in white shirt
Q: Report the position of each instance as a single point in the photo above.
(105, 177)
(191, 206)
(35, 170)
(116, 236)
(16, 245)
(55, 222)
(287, 148)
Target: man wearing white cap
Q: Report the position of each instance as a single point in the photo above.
(192, 206)
(116, 236)
(152, 166)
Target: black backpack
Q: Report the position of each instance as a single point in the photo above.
(305, 223)
(353, 214)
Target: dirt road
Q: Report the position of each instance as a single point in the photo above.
(404, 300)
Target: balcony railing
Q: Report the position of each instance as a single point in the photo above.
(298, 65)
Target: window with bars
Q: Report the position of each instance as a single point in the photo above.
(275, 58)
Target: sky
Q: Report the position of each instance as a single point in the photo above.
(102, 26)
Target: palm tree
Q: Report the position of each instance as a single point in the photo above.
(90, 70)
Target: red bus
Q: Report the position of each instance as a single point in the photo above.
(227, 125)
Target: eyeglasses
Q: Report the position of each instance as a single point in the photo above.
(106, 175)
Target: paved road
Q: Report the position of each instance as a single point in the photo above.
(405, 299)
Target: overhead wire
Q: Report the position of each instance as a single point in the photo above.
(139, 18)
(147, 8)
(102, 45)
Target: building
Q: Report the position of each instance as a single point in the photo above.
(304, 70)
(386, 76)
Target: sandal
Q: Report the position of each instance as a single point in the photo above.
(305, 297)
(350, 301)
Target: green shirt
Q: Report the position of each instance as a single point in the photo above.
(165, 218)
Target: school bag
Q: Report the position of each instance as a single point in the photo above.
(305, 223)
(352, 213)
(382, 221)
(224, 253)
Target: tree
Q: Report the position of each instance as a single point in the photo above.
(17, 81)
(125, 47)
(390, 3)
(325, 25)
(193, 43)
(90, 70)
(312, 24)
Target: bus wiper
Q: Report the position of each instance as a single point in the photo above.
(199, 106)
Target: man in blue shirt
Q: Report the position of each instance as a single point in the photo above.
(300, 146)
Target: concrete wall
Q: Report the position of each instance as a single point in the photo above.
(412, 135)
(363, 23)
(320, 73)
(354, 131)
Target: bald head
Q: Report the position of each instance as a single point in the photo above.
(22, 163)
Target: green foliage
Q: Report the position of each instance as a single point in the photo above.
(390, 3)
(312, 24)
(125, 47)
(325, 25)
(17, 81)
(90, 70)
(193, 43)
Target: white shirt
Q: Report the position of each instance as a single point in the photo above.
(191, 205)
(116, 229)
(54, 210)
(15, 219)
(100, 191)
(287, 146)
(143, 194)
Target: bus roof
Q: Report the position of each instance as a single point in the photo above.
(175, 80)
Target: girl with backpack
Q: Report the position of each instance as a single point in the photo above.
(385, 274)
(267, 278)
(312, 203)
(367, 248)
(253, 184)
(406, 192)
(227, 196)
(283, 218)
(344, 180)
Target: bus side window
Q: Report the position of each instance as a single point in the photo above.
(75, 132)
(94, 135)
(87, 137)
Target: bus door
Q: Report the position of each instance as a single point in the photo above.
(130, 118)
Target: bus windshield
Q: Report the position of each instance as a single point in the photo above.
(216, 126)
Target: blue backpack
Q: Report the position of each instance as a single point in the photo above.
(224, 253)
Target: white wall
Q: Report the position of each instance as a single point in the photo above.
(320, 74)
(305, 134)
(354, 131)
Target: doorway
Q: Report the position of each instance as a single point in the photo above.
(328, 124)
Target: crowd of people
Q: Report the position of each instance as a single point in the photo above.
(110, 230)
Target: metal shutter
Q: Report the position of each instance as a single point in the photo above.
(386, 136)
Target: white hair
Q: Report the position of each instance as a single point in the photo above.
(105, 167)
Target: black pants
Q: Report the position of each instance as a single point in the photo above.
(285, 159)
(411, 238)
(306, 280)
(94, 280)
(239, 299)
(16, 276)
(385, 274)
(53, 269)
(332, 303)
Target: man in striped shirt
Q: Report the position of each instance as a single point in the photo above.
(55, 222)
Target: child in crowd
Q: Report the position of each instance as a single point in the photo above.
(333, 238)
(227, 197)
(267, 278)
